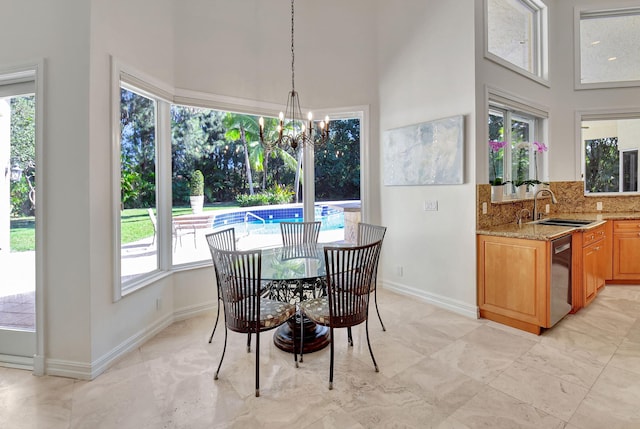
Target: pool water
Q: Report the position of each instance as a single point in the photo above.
(272, 226)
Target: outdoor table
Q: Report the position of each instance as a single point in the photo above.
(292, 274)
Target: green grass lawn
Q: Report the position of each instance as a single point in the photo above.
(136, 224)
(23, 234)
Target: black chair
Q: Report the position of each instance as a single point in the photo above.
(245, 310)
(294, 233)
(221, 240)
(349, 274)
(368, 233)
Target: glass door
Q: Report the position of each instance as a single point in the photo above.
(17, 222)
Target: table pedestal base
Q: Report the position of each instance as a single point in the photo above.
(316, 337)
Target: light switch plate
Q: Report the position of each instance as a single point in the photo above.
(431, 205)
(484, 208)
(599, 205)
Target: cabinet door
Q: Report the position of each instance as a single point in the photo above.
(626, 256)
(513, 278)
(595, 269)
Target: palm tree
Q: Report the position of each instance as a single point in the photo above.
(243, 128)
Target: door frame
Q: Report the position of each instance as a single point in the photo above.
(33, 72)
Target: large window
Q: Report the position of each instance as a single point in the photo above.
(610, 149)
(517, 152)
(138, 191)
(516, 35)
(608, 48)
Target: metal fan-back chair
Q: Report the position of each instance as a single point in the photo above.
(294, 233)
(239, 273)
(368, 233)
(349, 274)
(221, 240)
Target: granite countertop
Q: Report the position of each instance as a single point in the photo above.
(532, 231)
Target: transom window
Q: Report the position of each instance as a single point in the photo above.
(608, 54)
(516, 35)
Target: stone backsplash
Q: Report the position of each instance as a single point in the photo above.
(570, 196)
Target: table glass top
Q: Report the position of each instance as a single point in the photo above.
(293, 262)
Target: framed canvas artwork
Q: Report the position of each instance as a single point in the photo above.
(429, 153)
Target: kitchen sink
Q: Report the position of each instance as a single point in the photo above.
(564, 222)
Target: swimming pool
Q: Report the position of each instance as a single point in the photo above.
(266, 220)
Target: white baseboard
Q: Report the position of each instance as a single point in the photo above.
(444, 302)
(19, 362)
(84, 371)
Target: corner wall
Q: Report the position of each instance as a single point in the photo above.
(426, 71)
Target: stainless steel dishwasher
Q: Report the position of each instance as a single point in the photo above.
(560, 293)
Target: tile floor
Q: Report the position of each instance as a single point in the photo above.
(437, 370)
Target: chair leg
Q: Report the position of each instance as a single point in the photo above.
(366, 327)
(301, 335)
(215, 377)
(349, 336)
(257, 364)
(295, 352)
(375, 299)
(249, 342)
(216, 324)
(331, 361)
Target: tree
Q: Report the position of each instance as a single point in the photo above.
(245, 129)
(23, 154)
(337, 168)
(137, 150)
(602, 161)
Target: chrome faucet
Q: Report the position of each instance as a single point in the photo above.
(535, 201)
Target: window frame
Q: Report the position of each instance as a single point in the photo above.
(497, 100)
(540, 44)
(124, 76)
(589, 13)
(600, 115)
(166, 96)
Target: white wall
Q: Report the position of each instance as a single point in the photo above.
(426, 71)
(58, 32)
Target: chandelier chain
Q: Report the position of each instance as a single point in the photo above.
(293, 55)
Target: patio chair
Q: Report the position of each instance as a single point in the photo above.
(368, 233)
(221, 240)
(154, 222)
(349, 274)
(300, 232)
(245, 311)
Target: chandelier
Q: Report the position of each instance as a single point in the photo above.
(297, 132)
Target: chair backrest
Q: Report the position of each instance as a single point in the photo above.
(350, 270)
(239, 275)
(368, 233)
(222, 240)
(154, 221)
(300, 232)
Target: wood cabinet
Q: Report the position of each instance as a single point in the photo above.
(590, 265)
(513, 281)
(626, 250)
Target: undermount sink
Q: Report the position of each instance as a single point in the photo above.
(564, 222)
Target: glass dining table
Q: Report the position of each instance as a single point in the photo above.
(293, 274)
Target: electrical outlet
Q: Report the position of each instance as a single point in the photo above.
(399, 270)
(547, 208)
(431, 205)
(158, 304)
(599, 206)
(484, 208)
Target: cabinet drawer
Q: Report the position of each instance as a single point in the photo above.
(626, 226)
(593, 235)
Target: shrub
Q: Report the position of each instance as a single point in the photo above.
(279, 194)
(196, 185)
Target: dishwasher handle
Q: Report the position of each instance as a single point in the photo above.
(561, 248)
